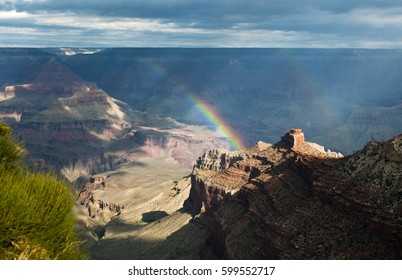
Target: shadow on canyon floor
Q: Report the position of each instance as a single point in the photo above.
(175, 236)
(153, 216)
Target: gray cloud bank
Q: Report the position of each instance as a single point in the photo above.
(208, 23)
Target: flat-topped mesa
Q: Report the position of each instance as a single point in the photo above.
(294, 138)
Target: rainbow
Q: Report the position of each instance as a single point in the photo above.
(327, 105)
(234, 139)
(206, 110)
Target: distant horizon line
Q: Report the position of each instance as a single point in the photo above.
(192, 47)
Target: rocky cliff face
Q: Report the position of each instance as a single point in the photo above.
(293, 200)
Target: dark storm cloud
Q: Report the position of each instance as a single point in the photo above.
(197, 8)
(213, 22)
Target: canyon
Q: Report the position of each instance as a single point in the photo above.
(72, 127)
(289, 200)
(155, 178)
(352, 95)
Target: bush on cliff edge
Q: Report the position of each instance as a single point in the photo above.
(35, 210)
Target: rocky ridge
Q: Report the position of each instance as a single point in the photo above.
(294, 200)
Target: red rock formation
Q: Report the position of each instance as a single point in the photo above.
(294, 138)
(292, 201)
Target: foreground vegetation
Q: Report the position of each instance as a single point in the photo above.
(35, 209)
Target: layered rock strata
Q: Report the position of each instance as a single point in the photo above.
(293, 200)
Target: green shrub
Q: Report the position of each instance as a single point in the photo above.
(35, 210)
(10, 152)
(4, 129)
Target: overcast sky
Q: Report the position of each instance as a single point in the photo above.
(201, 23)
